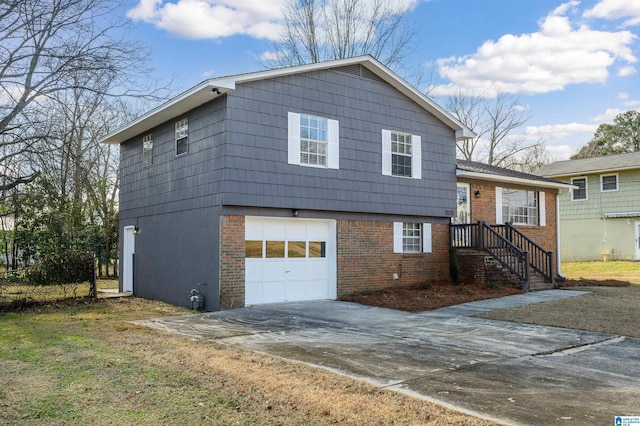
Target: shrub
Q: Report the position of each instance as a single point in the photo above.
(454, 265)
(62, 268)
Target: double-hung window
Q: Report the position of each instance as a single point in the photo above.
(182, 135)
(519, 207)
(147, 150)
(609, 182)
(401, 154)
(313, 141)
(410, 237)
(579, 193)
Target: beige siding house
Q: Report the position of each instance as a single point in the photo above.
(600, 217)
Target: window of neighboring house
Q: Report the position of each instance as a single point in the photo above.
(313, 141)
(182, 135)
(519, 207)
(147, 150)
(411, 237)
(401, 154)
(609, 182)
(579, 193)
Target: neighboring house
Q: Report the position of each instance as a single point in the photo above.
(499, 196)
(299, 183)
(600, 217)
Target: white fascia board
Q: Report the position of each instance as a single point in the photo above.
(201, 94)
(192, 98)
(513, 180)
(373, 65)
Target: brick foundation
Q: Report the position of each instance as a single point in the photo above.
(232, 252)
(366, 260)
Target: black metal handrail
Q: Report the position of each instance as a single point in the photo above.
(540, 260)
(483, 237)
(467, 236)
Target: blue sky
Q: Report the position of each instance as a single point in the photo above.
(572, 64)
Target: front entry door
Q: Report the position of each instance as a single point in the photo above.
(463, 215)
(128, 250)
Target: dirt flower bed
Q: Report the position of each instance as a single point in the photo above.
(426, 297)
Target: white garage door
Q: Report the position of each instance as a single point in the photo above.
(289, 260)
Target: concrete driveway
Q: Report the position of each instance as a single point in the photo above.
(508, 372)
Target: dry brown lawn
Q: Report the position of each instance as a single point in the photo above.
(86, 364)
(612, 310)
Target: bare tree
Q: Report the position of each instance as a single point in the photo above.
(44, 46)
(320, 30)
(493, 120)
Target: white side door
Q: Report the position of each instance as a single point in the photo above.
(637, 226)
(128, 250)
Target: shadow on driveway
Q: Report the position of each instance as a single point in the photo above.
(508, 372)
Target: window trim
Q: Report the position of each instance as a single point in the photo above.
(586, 188)
(602, 182)
(182, 125)
(426, 238)
(540, 216)
(294, 141)
(416, 155)
(147, 150)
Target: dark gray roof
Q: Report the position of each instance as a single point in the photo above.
(608, 163)
(474, 166)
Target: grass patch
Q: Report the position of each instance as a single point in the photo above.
(620, 270)
(85, 363)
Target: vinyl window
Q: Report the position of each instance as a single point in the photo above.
(147, 150)
(519, 207)
(313, 141)
(579, 193)
(401, 154)
(182, 135)
(609, 182)
(409, 237)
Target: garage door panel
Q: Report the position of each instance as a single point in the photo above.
(274, 230)
(273, 270)
(296, 290)
(253, 270)
(296, 270)
(318, 269)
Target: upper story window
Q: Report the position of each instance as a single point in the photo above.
(182, 136)
(411, 237)
(579, 193)
(147, 150)
(401, 154)
(609, 182)
(313, 141)
(519, 207)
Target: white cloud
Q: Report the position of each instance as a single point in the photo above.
(607, 116)
(632, 103)
(558, 55)
(626, 71)
(204, 19)
(623, 95)
(271, 56)
(616, 9)
(558, 131)
(561, 152)
(214, 19)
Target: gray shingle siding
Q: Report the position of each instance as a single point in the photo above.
(257, 172)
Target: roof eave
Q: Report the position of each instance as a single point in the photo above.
(513, 180)
(204, 93)
(192, 98)
(592, 172)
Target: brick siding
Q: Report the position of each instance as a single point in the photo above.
(366, 260)
(484, 208)
(232, 252)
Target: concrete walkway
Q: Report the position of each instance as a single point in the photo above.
(509, 372)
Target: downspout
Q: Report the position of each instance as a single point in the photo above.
(559, 268)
